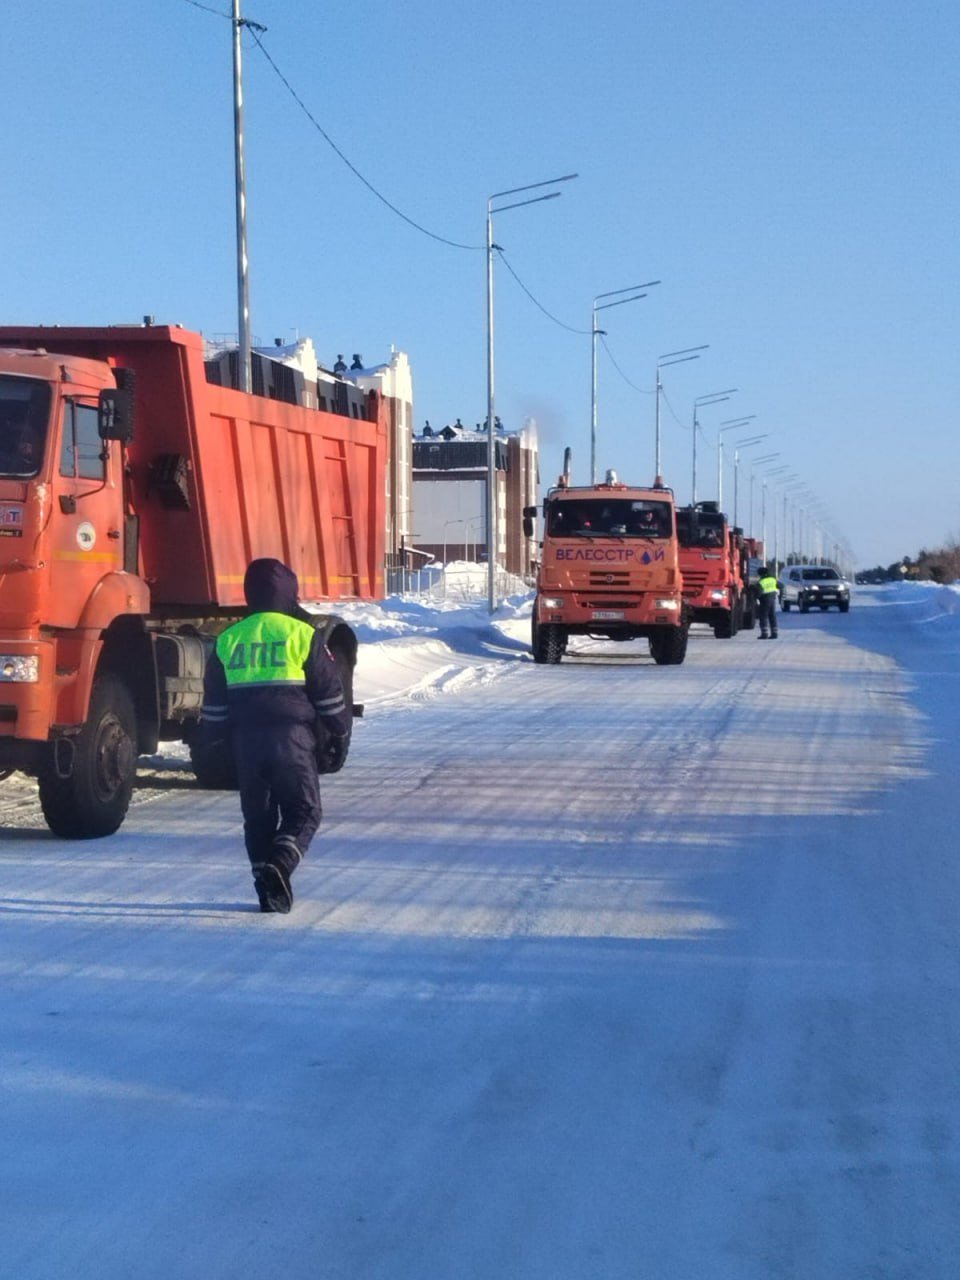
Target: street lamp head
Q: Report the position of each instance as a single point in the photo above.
(531, 186)
(680, 357)
(714, 397)
(631, 288)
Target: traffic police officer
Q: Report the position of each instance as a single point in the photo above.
(767, 590)
(273, 684)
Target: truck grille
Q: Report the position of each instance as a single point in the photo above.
(609, 578)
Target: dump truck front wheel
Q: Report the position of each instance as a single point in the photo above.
(548, 643)
(85, 789)
(668, 647)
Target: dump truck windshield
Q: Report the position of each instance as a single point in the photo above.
(605, 517)
(24, 414)
(699, 529)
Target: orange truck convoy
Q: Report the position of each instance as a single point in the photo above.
(715, 564)
(609, 568)
(134, 490)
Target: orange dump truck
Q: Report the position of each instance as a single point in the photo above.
(714, 564)
(133, 493)
(608, 569)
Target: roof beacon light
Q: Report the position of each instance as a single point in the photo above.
(612, 478)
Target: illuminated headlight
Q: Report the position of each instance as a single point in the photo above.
(667, 604)
(718, 595)
(813, 588)
(19, 670)
(551, 602)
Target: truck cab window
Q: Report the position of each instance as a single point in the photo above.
(24, 408)
(80, 454)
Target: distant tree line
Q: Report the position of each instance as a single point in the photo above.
(939, 565)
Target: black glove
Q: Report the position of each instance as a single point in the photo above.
(333, 754)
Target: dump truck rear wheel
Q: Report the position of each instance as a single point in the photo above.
(93, 800)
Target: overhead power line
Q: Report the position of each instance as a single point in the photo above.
(207, 9)
(255, 29)
(539, 305)
(454, 244)
(643, 391)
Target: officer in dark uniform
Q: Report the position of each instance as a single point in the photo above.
(273, 684)
(767, 589)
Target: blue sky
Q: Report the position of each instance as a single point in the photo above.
(788, 171)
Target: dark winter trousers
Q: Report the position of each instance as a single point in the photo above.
(279, 792)
(767, 613)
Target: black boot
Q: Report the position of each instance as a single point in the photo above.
(260, 886)
(273, 889)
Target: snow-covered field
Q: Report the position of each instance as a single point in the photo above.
(598, 970)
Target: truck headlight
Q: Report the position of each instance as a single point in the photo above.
(18, 668)
(718, 595)
(551, 602)
(667, 604)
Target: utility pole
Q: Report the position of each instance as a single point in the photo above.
(244, 375)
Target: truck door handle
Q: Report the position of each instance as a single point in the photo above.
(113, 533)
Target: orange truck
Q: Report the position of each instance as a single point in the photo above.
(133, 493)
(608, 569)
(715, 566)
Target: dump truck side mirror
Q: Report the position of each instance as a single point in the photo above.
(115, 409)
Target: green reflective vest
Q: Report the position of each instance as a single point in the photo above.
(265, 649)
(767, 585)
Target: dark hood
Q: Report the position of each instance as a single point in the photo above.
(270, 587)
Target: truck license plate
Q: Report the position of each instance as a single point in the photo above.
(607, 615)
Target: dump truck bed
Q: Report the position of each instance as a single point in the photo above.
(218, 477)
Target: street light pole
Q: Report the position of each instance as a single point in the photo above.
(777, 477)
(742, 444)
(491, 504)
(713, 397)
(730, 424)
(767, 457)
(594, 334)
(671, 357)
(790, 485)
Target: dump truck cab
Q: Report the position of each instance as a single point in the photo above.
(609, 569)
(713, 561)
(61, 535)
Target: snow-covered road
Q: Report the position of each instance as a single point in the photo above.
(599, 970)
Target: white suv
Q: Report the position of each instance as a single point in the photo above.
(813, 585)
